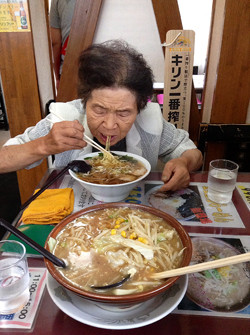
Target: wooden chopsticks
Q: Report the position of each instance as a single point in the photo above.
(86, 138)
(203, 266)
(95, 145)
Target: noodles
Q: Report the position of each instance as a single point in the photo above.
(108, 169)
(107, 147)
(118, 170)
(121, 240)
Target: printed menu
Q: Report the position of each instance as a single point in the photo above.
(220, 292)
(244, 190)
(190, 206)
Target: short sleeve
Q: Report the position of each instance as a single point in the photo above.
(54, 18)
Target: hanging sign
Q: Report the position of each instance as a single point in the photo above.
(179, 55)
(14, 16)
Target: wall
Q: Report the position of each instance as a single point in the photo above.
(42, 50)
(227, 88)
(196, 16)
(133, 21)
(21, 93)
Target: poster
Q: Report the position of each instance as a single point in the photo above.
(14, 16)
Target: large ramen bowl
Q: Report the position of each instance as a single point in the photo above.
(116, 192)
(106, 299)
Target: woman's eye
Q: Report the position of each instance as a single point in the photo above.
(99, 111)
(123, 114)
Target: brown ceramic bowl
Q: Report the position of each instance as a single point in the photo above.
(122, 300)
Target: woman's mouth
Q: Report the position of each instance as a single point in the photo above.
(104, 138)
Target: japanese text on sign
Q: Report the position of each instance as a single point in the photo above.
(178, 78)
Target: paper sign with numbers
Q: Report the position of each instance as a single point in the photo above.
(24, 318)
(179, 54)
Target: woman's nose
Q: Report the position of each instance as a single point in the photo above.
(110, 121)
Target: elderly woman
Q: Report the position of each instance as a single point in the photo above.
(115, 84)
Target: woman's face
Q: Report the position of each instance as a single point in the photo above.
(111, 112)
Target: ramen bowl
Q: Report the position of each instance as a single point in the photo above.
(107, 298)
(114, 192)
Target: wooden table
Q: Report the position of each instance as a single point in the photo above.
(51, 320)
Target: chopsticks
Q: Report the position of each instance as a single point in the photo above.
(51, 257)
(95, 145)
(86, 138)
(203, 266)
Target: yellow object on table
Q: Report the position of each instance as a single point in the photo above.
(50, 207)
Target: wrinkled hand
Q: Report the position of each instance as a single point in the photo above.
(175, 175)
(64, 136)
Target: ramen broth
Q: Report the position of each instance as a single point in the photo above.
(111, 170)
(102, 247)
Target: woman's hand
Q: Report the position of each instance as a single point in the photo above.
(176, 173)
(64, 136)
